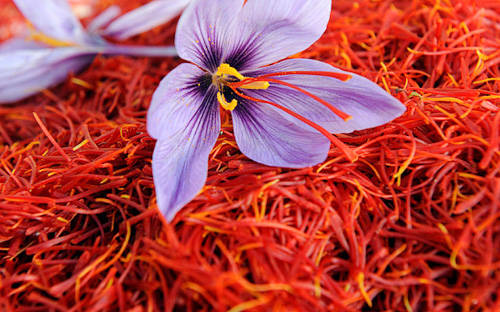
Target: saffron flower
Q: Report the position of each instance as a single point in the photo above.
(59, 44)
(282, 113)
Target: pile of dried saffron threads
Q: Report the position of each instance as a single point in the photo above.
(412, 225)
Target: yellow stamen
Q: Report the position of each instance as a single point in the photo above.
(225, 71)
(256, 85)
(36, 36)
(224, 103)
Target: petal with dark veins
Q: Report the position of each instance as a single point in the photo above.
(265, 136)
(367, 103)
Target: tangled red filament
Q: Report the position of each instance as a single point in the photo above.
(413, 224)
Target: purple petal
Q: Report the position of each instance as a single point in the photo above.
(54, 18)
(251, 35)
(264, 135)
(135, 50)
(24, 72)
(145, 18)
(365, 101)
(27, 67)
(180, 161)
(201, 32)
(104, 18)
(183, 93)
(18, 43)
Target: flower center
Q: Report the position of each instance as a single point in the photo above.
(225, 75)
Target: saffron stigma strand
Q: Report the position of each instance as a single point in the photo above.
(349, 153)
(262, 82)
(339, 76)
(336, 111)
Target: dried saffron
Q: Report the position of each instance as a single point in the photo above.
(412, 225)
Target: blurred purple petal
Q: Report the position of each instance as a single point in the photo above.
(181, 95)
(29, 66)
(251, 35)
(180, 161)
(24, 72)
(53, 18)
(19, 44)
(365, 101)
(265, 136)
(135, 50)
(104, 18)
(145, 18)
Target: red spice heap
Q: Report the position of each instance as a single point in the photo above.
(413, 224)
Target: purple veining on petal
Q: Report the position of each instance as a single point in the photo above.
(180, 161)
(365, 101)
(280, 28)
(265, 136)
(205, 30)
(241, 56)
(251, 35)
(182, 94)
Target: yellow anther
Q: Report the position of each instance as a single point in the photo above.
(222, 101)
(256, 85)
(36, 36)
(226, 69)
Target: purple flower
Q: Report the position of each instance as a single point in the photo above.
(282, 113)
(59, 44)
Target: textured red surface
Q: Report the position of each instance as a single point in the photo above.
(412, 225)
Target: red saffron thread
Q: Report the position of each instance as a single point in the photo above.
(351, 155)
(412, 225)
(50, 137)
(336, 111)
(339, 76)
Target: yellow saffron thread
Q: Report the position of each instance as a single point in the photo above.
(36, 36)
